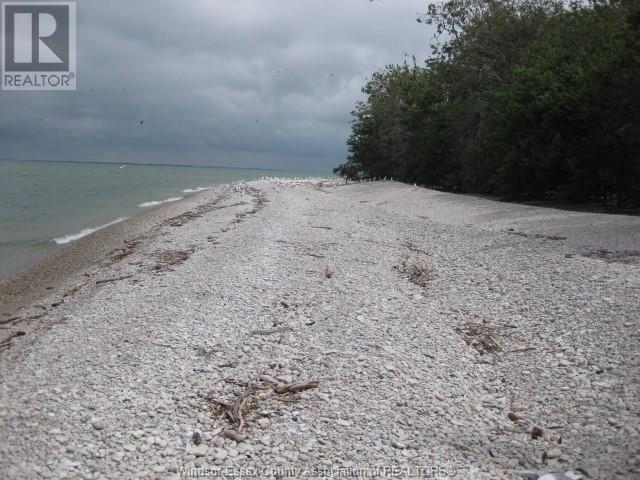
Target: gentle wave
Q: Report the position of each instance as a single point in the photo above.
(195, 190)
(24, 243)
(87, 231)
(159, 202)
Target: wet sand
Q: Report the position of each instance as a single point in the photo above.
(25, 295)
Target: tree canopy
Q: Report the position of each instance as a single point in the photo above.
(527, 99)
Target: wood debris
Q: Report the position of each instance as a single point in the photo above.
(111, 280)
(296, 387)
(273, 331)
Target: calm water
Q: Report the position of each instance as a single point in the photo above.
(45, 204)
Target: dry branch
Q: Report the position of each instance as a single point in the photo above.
(9, 320)
(296, 387)
(74, 290)
(480, 337)
(272, 331)
(623, 256)
(235, 414)
(110, 280)
(7, 342)
(417, 273)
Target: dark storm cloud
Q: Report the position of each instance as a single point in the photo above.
(263, 83)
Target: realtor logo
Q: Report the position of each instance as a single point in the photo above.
(38, 46)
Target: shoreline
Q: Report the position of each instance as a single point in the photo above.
(407, 318)
(63, 262)
(28, 295)
(34, 279)
(52, 246)
(37, 217)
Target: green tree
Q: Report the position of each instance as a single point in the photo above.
(524, 98)
(569, 122)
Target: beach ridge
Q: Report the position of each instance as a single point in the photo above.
(312, 323)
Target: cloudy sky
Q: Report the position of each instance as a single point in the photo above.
(252, 83)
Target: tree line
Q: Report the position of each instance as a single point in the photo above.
(525, 99)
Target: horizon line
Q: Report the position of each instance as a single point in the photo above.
(103, 162)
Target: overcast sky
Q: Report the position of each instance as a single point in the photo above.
(251, 83)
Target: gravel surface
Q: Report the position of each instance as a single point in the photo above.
(478, 339)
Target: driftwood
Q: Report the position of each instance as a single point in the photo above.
(491, 325)
(234, 411)
(9, 320)
(111, 280)
(480, 337)
(74, 290)
(7, 342)
(218, 402)
(296, 387)
(272, 331)
(170, 258)
(321, 227)
(417, 273)
(235, 414)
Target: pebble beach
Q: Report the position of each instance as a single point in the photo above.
(291, 329)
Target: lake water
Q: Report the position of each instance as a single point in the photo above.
(45, 204)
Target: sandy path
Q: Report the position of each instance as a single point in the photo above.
(427, 320)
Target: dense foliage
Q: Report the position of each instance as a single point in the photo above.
(528, 99)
